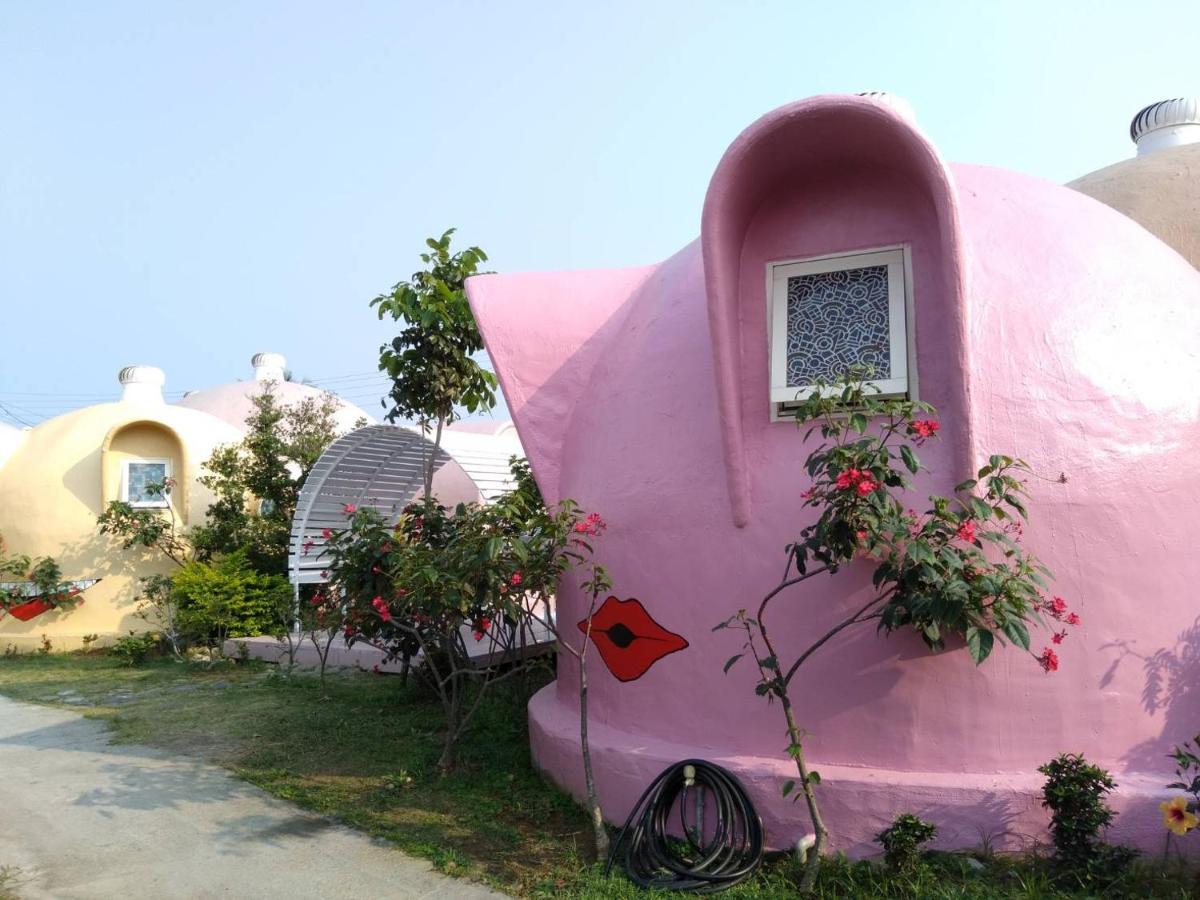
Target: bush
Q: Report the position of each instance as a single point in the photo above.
(1075, 792)
(134, 648)
(228, 598)
(902, 842)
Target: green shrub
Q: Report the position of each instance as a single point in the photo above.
(227, 598)
(902, 842)
(1075, 792)
(134, 648)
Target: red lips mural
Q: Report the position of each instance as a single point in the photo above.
(629, 640)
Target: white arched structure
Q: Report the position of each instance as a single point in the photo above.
(380, 466)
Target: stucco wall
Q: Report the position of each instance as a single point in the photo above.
(60, 479)
(643, 395)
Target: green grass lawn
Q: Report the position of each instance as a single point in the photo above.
(365, 750)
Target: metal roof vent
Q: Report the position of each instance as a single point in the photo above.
(142, 384)
(268, 366)
(1167, 123)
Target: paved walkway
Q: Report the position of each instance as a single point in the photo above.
(85, 819)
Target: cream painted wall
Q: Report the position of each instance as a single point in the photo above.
(59, 480)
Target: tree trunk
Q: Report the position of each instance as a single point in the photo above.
(598, 830)
(813, 863)
(432, 464)
(453, 716)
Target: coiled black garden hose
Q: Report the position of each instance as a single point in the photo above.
(709, 856)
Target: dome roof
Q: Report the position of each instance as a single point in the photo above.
(1160, 191)
(234, 402)
(52, 486)
(1039, 330)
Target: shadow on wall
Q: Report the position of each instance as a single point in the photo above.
(1172, 689)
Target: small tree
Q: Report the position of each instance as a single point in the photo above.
(428, 585)
(1075, 793)
(902, 842)
(257, 481)
(931, 571)
(431, 361)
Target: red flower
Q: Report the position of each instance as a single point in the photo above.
(349, 509)
(481, 628)
(1058, 636)
(865, 485)
(862, 481)
(592, 524)
(1073, 619)
(1058, 606)
(808, 495)
(326, 533)
(966, 531)
(1049, 660)
(382, 609)
(516, 579)
(375, 570)
(924, 428)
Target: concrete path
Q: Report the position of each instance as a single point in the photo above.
(85, 819)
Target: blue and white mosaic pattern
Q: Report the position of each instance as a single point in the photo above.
(143, 475)
(836, 320)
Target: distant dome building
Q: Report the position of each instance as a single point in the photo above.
(1160, 187)
(60, 475)
(234, 402)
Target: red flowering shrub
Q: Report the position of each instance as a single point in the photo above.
(958, 568)
(457, 591)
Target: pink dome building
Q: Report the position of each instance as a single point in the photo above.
(1038, 321)
(234, 402)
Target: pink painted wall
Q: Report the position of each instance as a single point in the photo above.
(1047, 326)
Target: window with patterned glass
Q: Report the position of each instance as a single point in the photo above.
(142, 482)
(830, 314)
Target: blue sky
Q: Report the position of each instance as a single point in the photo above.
(186, 184)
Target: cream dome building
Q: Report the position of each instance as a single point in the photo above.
(234, 402)
(1160, 187)
(56, 478)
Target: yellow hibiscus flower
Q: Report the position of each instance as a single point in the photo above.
(1176, 816)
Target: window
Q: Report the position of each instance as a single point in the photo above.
(828, 314)
(142, 481)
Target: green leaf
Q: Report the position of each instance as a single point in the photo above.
(731, 661)
(910, 458)
(965, 485)
(814, 777)
(979, 643)
(858, 422)
(1016, 632)
(788, 786)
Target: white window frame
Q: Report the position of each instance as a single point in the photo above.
(899, 269)
(164, 503)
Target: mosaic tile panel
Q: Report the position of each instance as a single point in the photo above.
(141, 476)
(836, 320)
